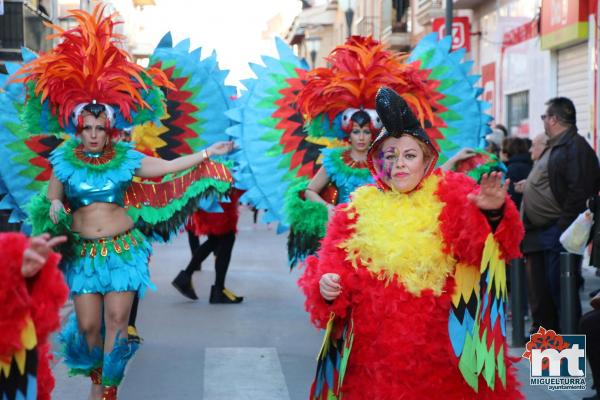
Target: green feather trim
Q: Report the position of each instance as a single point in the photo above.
(308, 223)
(32, 112)
(489, 371)
(501, 366)
(492, 166)
(348, 341)
(305, 215)
(160, 223)
(341, 167)
(468, 362)
(38, 210)
(478, 358)
(68, 154)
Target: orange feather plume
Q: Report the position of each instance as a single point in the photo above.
(358, 69)
(89, 65)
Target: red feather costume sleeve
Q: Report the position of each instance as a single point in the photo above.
(331, 259)
(38, 298)
(14, 296)
(465, 228)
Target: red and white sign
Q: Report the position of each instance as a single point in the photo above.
(557, 14)
(488, 81)
(461, 31)
(520, 34)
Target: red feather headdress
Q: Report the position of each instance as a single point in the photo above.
(89, 65)
(358, 69)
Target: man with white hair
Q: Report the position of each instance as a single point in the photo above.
(538, 145)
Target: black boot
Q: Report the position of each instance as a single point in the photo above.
(183, 283)
(134, 336)
(223, 296)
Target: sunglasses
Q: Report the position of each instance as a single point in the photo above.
(544, 116)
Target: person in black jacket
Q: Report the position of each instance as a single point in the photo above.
(555, 193)
(516, 157)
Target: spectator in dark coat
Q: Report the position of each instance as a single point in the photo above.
(515, 154)
(562, 179)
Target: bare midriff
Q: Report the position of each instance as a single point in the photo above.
(101, 220)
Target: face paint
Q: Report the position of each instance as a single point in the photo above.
(401, 163)
(388, 157)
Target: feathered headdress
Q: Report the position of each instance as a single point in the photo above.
(358, 69)
(88, 66)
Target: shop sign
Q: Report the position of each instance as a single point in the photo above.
(461, 31)
(563, 23)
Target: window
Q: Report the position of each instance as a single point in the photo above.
(518, 114)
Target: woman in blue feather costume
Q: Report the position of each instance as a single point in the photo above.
(95, 92)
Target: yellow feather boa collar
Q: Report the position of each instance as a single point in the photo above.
(397, 236)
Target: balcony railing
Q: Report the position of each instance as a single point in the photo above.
(365, 26)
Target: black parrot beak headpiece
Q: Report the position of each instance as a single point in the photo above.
(398, 119)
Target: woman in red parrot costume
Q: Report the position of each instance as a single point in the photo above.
(32, 290)
(410, 280)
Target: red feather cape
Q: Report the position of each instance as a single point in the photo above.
(206, 223)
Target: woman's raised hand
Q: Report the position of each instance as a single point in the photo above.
(492, 193)
(55, 208)
(329, 286)
(36, 254)
(220, 148)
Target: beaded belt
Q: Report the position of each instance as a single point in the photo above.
(101, 244)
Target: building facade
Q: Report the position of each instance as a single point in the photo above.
(526, 51)
(323, 25)
(22, 25)
(569, 31)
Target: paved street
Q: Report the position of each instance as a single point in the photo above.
(262, 349)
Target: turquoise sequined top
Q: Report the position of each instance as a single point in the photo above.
(83, 194)
(346, 178)
(86, 182)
